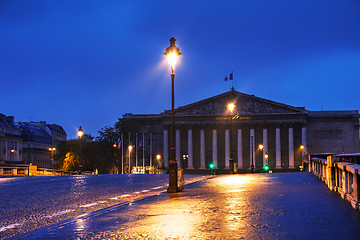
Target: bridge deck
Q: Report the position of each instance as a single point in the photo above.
(250, 206)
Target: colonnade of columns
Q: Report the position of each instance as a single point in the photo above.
(246, 143)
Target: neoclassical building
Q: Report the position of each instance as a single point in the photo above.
(203, 133)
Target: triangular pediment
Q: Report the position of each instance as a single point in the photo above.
(245, 104)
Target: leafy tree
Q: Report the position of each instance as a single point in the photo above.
(70, 162)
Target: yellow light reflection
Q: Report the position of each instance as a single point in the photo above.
(235, 180)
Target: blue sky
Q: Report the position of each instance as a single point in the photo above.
(89, 62)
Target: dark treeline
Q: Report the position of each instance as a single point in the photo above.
(96, 153)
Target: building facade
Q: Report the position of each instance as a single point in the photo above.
(204, 132)
(10, 141)
(39, 142)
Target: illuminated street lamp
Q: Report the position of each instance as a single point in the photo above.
(12, 154)
(304, 157)
(80, 133)
(172, 53)
(266, 166)
(114, 145)
(52, 153)
(231, 107)
(261, 147)
(130, 149)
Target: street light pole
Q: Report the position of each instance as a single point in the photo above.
(252, 154)
(172, 53)
(80, 133)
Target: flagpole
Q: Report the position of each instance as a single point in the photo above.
(122, 153)
(150, 150)
(143, 144)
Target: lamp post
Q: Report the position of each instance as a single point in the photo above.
(252, 154)
(52, 153)
(304, 157)
(114, 145)
(12, 154)
(266, 167)
(80, 133)
(231, 107)
(158, 158)
(172, 53)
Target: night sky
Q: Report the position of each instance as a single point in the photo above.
(89, 62)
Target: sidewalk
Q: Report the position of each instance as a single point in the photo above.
(248, 206)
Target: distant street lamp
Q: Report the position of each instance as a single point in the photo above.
(114, 158)
(304, 157)
(52, 153)
(172, 53)
(12, 154)
(231, 107)
(158, 158)
(80, 133)
(266, 167)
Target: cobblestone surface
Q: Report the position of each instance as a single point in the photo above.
(249, 206)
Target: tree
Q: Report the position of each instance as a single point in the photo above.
(70, 162)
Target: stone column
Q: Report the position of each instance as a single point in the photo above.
(291, 148)
(202, 148)
(178, 150)
(227, 148)
(239, 149)
(252, 147)
(278, 147)
(190, 150)
(166, 149)
(265, 144)
(214, 149)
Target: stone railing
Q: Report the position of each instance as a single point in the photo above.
(30, 170)
(341, 177)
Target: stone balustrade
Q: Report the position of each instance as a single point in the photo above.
(31, 170)
(341, 177)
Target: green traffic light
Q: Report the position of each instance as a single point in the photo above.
(211, 166)
(266, 168)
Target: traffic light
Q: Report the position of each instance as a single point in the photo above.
(266, 168)
(211, 166)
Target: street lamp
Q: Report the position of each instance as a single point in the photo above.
(12, 154)
(304, 157)
(52, 153)
(80, 133)
(114, 145)
(231, 107)
(130, 148)
(172, 53)
(266, 167)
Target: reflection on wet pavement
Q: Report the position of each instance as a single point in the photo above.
(249, 206)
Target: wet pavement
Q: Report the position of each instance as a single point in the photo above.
(27, 203)
(248, 206)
